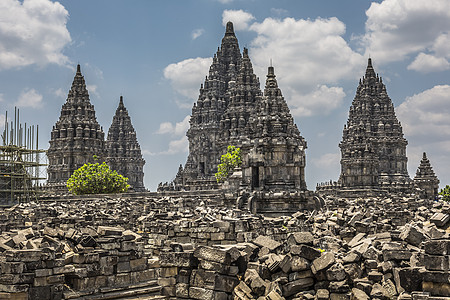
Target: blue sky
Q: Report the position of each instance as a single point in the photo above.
(157, 53)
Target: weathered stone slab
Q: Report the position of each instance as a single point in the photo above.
(323, 262)
(300, 238)
(265, 241)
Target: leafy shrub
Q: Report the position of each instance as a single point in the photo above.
(96, 179)
(445, 193)
(228, 162)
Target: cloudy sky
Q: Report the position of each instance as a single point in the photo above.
(157, 53)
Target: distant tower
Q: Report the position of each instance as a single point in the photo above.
(425, 179)
(276, 150)
(123, 152)
(373, 149)
(204, 133)
(76, 137)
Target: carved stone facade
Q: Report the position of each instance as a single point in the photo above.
(123, 152)
(275, 152)
(373, 149)
(76, 137)
(232, 110)
(425, 179)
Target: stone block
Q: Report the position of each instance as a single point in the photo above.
(412, 235)
(242, 291)
(202, 278)
(436, 263)
(123, 279)
(297, 238)
(169, 271)
(296, 286)
(336, 272)
(323, 262)
(123, 267)
(440, 219)
(305, 251)
(358, 294)
(11, 267)
(437, 247)
(128, 246)
(299, 264)
(265, 241)
(201, 293)
(397, 254)
(139, 264)
(41, 293)
(26, 255)
(182, 290)
(437, 288)
(43, 272)
(178, 259)
(109, 231)
(213, 254)
(408, 279)
(225, 283)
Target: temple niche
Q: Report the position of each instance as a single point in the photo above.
(76, 137)
(232, 110)
(122, 149)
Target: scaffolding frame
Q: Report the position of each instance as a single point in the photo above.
(20, 164)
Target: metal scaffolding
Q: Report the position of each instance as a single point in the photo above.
(20, 162)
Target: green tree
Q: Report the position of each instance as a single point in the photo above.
(96, 179)
(228, 162)
(445, 193)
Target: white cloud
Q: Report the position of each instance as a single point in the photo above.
(1, 97)
(92, 89)
(327, 161)
(29, 98)
(32, 32)
(178, 129)
(397, 29)
(186, 77)
(426, 63)
(320, 101)
(309, 56)
(426, 116)
(197, 33)
(240, 18)
(225, 1)
(2, 124)
(279, 11)
(175, 146)
(96, 70)
(60, 93)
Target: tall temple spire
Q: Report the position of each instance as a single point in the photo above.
(76, 137)
(123, 152)
(373, 148)
(229, 28)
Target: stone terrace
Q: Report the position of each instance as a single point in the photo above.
(145, 246)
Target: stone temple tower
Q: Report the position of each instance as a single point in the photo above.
(276, 150)
(76, 137)
(425, 179)
(373, 149)
(122, 149)
(204, 133)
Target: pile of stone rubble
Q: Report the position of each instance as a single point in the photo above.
(192, 248)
